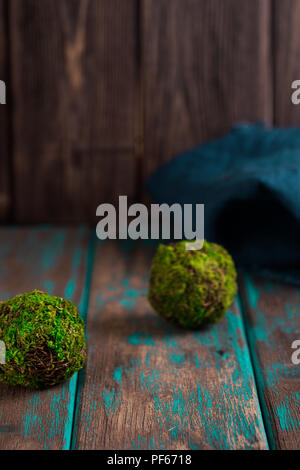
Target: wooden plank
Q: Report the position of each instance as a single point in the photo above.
(54, 261)
(149, 385)
(74, 84)
(206, 66)
(5, 201)
(273, 312)
(286, 46)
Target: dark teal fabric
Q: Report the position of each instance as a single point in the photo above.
(249, 181)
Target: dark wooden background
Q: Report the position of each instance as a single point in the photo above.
(101, 92)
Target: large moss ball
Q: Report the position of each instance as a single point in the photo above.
(192, 287)
(44, 340)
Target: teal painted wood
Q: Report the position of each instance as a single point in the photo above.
(53, 260)
(273, 324)
(149, 385)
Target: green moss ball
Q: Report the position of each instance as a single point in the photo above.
(44, 340)
(192, 287)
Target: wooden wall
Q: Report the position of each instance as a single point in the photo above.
(5, 171)
(101, 92)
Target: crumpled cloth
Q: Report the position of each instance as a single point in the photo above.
(249, 181)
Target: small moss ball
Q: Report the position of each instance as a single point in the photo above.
(44, 340)
(192, 287)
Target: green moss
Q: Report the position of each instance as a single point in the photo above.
(192, 288)
(44, 339)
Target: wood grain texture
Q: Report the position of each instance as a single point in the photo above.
(273, 312)
(286, 37)
(206, 66)
(74, 90)
(53, 261)
(5, 201)
(149, 385)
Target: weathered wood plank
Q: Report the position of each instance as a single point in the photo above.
(273, 312)
(286, 48)
(54, 261)
(74, 85)
(149, 385)
(5, 202)
(206, 66)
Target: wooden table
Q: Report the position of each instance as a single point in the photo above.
(147, 384)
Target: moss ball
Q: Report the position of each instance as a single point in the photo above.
(192, 287)
(44, 340)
